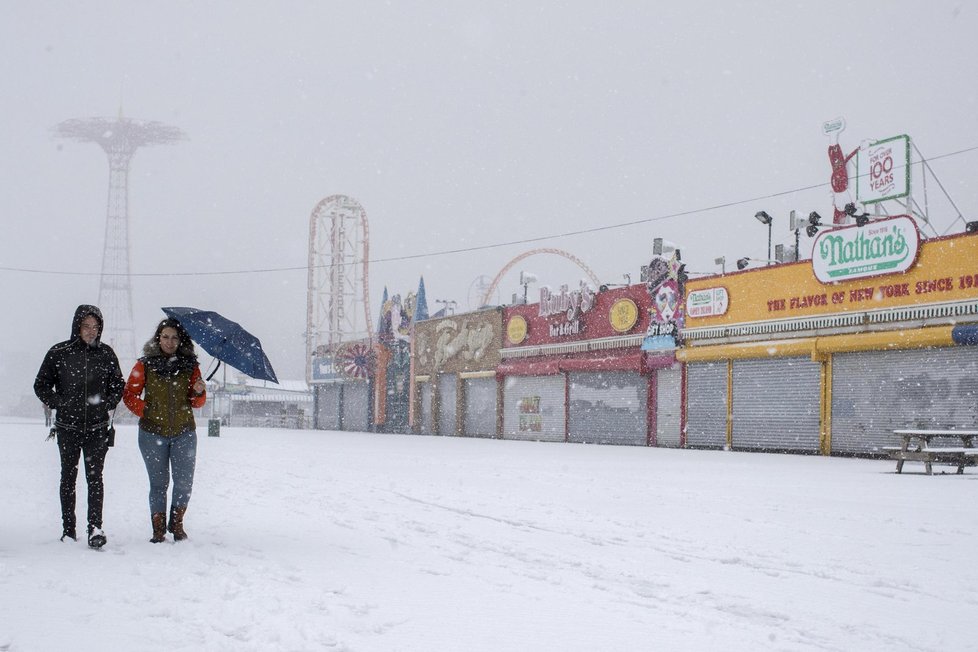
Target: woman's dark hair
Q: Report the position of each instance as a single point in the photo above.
(186, 346)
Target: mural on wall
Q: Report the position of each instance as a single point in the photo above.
(395, 320)
(354, 360)
(455, 344)
(459, 340)
(666, 286)
(393, 349)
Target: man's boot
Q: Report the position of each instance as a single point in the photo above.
(176, 523)
(96, 537)
(159, 528)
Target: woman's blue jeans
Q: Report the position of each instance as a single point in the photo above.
(163, 454)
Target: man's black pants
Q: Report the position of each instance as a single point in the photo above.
(94, 444)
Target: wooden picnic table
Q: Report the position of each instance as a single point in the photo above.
(915, 447)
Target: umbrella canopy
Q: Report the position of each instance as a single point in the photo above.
(225, 340)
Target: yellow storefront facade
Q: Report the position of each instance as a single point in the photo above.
(791, 358)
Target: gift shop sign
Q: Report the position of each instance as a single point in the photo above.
(887, 246)
(707, 303)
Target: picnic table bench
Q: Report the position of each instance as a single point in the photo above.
(915, 447)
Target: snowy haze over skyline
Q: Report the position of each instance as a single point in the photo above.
(455, 125)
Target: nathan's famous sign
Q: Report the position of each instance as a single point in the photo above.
(886, 246)
(883, 267)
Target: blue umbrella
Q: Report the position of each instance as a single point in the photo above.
(225, 340)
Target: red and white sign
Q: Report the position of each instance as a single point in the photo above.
(707, 303)
(571, 303)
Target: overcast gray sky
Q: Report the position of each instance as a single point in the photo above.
(455, 124)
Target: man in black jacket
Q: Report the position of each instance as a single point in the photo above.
(80, 379)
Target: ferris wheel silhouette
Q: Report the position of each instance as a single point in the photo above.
(494, 286)
(479, 290)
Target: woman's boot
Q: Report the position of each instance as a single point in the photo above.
(159, 528)
(176, 523)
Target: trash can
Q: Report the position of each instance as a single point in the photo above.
(213, 427)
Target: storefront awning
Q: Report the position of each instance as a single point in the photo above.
(659, 360)
(592, 361)
(528, 368)
(818, 347)
(631, 361)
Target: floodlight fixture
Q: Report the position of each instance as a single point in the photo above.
(747, 260)
(861, 220)
(814, 223)
(525, 279)
(660, 246)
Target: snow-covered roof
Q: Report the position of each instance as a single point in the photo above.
(292, 397)
(283, 385)
(250, 385)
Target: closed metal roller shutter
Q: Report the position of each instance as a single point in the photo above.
(328, 406)
(447, 400)
(706, 404)
(533, 408)
(608, 407)
(426, 421)
(355, 407)
(480, 407)
(776, 404)
(877, 392)
(668, 406)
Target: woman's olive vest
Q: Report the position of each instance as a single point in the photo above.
(167, 412)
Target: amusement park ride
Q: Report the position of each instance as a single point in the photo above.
(338, 317)
(119, 138)
(339, 333)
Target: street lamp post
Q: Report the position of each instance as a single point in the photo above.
(764, 218)
(795, 224)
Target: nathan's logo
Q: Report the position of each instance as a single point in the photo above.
(707, 303)
(887, 246)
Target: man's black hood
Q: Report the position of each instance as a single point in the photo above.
(81, 312)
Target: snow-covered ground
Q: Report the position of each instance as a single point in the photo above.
(305, 540)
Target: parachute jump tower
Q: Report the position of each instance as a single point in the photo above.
(119, 138)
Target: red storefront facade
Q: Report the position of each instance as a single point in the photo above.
(572, 369)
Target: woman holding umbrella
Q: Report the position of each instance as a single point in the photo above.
(163, 388)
